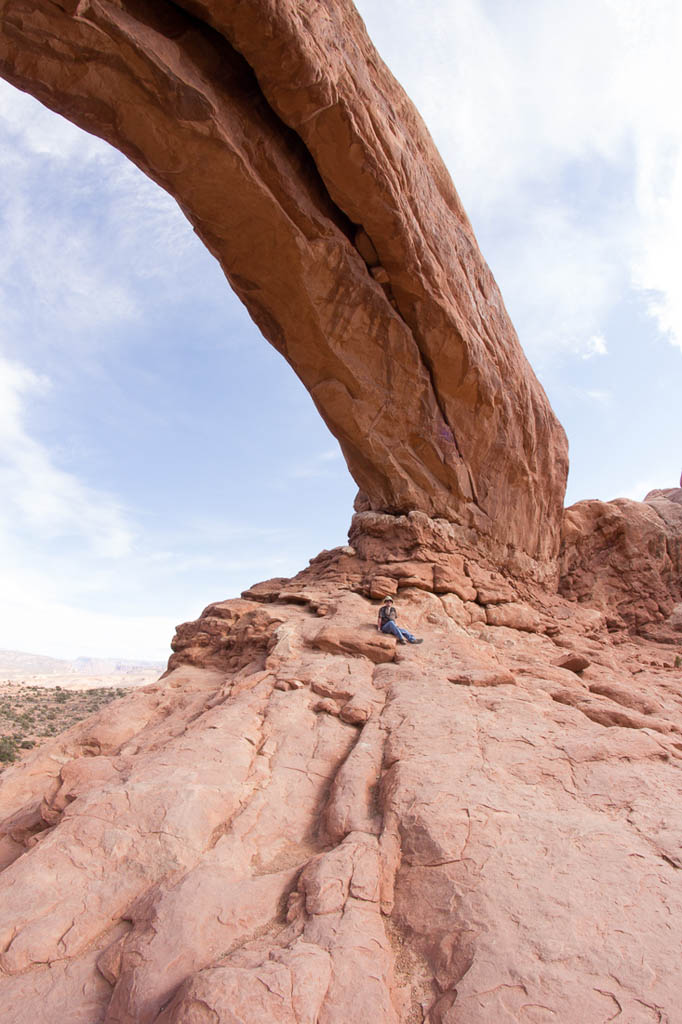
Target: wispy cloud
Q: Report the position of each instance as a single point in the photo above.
(596, 346)
(317, 465)
(586, 188)
(80, 576)
(598, 395)
(72, 213)
(38, 495)
(42, 133)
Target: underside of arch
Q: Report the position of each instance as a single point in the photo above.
(308, 173)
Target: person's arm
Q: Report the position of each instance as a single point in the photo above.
(379, 620)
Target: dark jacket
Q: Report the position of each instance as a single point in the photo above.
(387, 612)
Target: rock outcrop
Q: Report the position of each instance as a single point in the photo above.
(310, 176)
(625, 557)
(302, 822)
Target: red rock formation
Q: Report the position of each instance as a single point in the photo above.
(308, 173)
(302, 822)
(625, 557)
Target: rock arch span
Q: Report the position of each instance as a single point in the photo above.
(302, 822)
(307, 172)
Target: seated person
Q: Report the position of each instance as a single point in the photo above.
(386, 623)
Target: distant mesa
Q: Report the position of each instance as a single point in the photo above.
(18, 664)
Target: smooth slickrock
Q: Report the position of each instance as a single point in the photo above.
(286, 828)
(307, 172)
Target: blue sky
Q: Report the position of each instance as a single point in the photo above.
(156, 454)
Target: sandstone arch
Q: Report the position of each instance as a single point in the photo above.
(299, 823)
(307, 172)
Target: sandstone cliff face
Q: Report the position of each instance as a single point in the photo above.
(625, 557)
(302, 822)
(309, 175)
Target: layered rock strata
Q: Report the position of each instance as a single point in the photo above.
(310, 176)
(302, 822)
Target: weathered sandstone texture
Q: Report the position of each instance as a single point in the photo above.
(625, 557)
(310, 176)
(303, 823)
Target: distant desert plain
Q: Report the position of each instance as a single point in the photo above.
(42, 696)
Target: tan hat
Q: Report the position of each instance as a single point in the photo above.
(389, 598)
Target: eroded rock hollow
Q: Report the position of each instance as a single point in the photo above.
(302, 823)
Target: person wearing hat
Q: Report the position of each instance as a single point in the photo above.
(386, 623)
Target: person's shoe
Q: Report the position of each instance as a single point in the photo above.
(418, 640)
(402, 641)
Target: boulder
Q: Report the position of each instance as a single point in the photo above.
(625, 558)
(573, 662)
(515, 615)
(342, 640)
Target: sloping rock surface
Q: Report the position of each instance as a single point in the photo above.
(310, 176)
(302, 822)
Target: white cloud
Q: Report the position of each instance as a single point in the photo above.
(43, 133)
(560, 124)
(596, 346)
(87, 242)
(40, 496)
(656, 270)
(55, 268)
(79, 577)
(42, 624)
(562, 286)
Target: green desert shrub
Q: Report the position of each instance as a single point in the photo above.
(8, 749)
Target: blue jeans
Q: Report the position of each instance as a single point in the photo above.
(398, 633)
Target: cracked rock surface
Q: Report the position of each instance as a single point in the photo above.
(301, 822)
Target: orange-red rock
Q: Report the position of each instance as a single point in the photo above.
(307, 172)
(404, 839)
(302, 822)
(625, 557)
